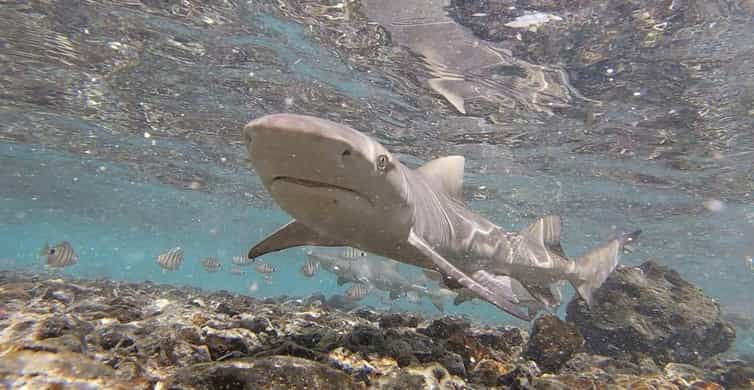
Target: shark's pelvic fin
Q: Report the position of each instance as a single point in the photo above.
(291, 234)
(447, 172)
(594, 267)
(451, 271)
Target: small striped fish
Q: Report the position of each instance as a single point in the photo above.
(357, 292)
(264, 268)
(211, 264)
(60, 255)
(309, 268)
(241, 260)
(352, 253)
(171, 259)
(237, 271)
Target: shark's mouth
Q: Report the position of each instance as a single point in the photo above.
(318, 184)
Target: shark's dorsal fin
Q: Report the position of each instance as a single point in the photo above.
(447, 172)
(545, 231)
(292, 234)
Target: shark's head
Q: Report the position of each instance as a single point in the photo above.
(329, 177)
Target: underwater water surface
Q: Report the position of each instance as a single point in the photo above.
(120, 128)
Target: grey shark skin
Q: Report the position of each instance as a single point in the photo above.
(344, 189)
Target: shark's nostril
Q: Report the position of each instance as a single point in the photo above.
(346, 153)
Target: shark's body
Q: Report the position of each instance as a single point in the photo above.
(344, 189)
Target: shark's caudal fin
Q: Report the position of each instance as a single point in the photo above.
(594, 267)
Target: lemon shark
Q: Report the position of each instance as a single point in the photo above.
(343, 188)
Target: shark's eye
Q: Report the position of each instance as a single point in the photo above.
(382, 162)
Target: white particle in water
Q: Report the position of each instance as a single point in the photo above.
(288, 101)
(637, 93)
(714, 205)
(75, 179)
(610, 70)
(223, 159)
(102, 168)
(147, 135)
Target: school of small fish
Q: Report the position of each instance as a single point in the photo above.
(63, 255)
(211, 264)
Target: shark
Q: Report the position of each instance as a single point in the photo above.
(378, 273)
(343, 188)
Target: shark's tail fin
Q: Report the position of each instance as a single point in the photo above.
(594, 267)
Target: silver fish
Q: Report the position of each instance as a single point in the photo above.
(264, 268)
(309, 268)
(60, 255)
(211, 264)
(237, 271)
(171, 259)
(357, 292)
(241, 260)
(413, 297)
(352, 253)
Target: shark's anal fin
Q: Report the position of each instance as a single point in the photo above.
(451, 271)
(290, 235)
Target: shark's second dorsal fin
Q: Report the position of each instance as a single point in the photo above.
(545, 231)
(447, 172)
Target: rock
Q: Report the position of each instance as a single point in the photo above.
(520, 377)
(738, 378)
(651, 310)
(510, 341)
(48, 370)
(596, 365)
(273, 372)
(488, 372)
(553, 342)
(420, 377)
(445, 327)
(53, 326)
(396, 320)
(236, 342)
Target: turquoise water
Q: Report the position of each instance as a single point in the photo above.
(101, 145)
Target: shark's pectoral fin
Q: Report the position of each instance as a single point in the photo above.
(291, 234)
(450, 270)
